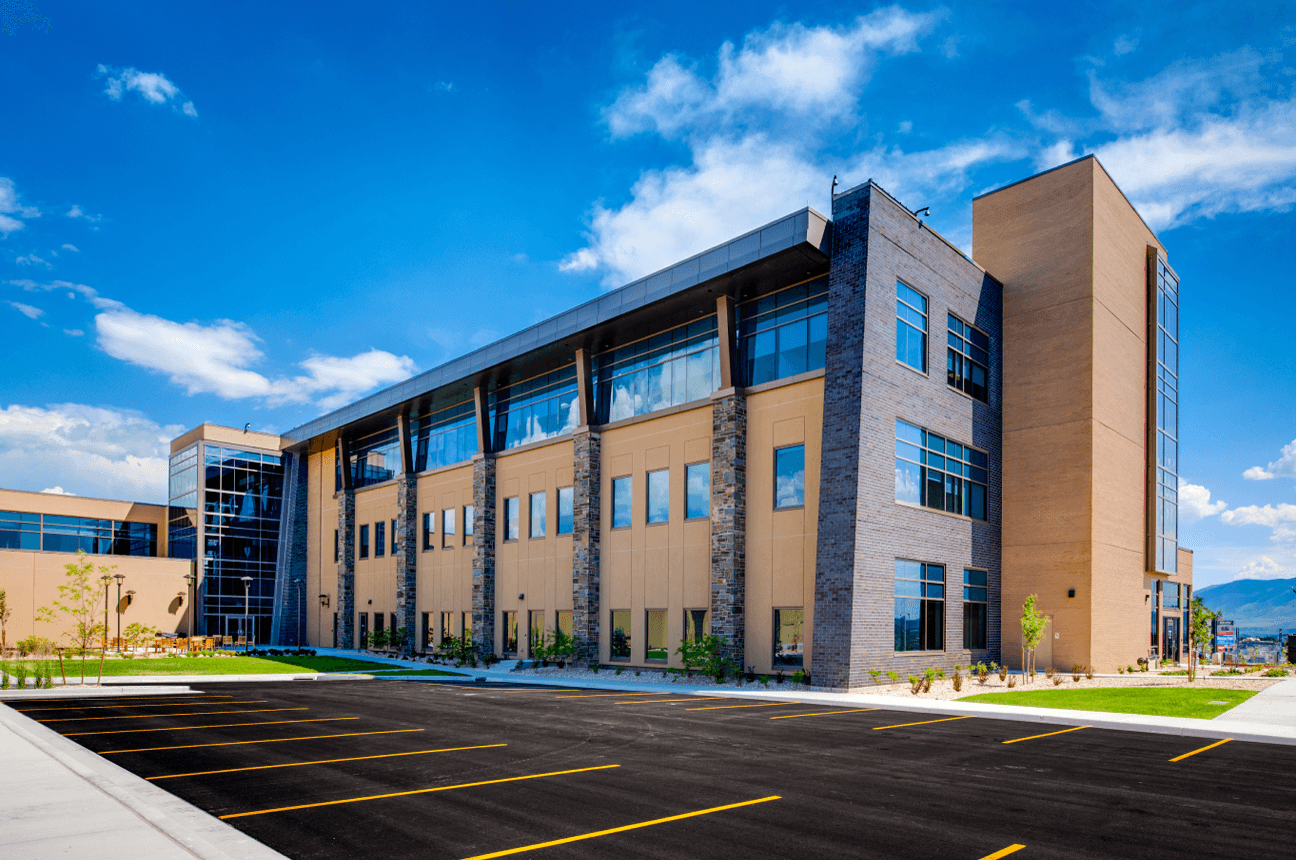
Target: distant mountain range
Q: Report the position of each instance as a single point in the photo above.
(1249, 603)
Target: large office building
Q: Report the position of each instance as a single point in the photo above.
(840, 445)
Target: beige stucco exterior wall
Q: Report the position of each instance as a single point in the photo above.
(445, 571)
(321, 569)
(375, 577)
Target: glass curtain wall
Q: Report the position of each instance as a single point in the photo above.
(535, 409)
(667, 369)
(50, 533)
(1167, 418)
(374, 458)
(783, 333)
(444, 437)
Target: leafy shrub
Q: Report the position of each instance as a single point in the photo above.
(1076, 670)
(1276, 673)
(958, 682)
(1003, 671)
(875, 674)
(1057, 679)
(915, 684)
(764, 680)
(704, 653)
(893, 675)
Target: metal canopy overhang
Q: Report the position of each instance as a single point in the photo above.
(780, 253)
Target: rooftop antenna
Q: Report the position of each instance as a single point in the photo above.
(834, 187)
(247, 426)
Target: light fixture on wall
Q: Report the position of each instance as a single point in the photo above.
(521, 597)
(1070, 592)
(180, 596)
(324, 600)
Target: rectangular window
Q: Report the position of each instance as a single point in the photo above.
(468, 511)
(378, 622)
(364, 541)
(975, 617)
(695, 624)
(444, 437)
(537, 524)
(566, 517)
(657, 648)
(784, 333)
(911, 327)
(427, 632)
(364, 630)
(380, 539)
(620, 634)
(445, 631)
(659, 496)
(565, 624)
(666, 369)
(697, 480)
(465, 626)
(535, 409)
(968, 359)
(940, 473)
(429, 529)
(510, 633)
(789, 637)
(393, 537)
(447, 528)
(621, 502)
(337, 546)
(919, 606)
(789, 477)
(512, 515)
(535, 629)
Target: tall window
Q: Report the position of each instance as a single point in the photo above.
(447, 627)
(975, 617)
(911, 327)
(695, 624)
(659, 496)
(789, 637)
(512, 515)
(510, 633)
(337, 546)
(380, 539)
(374, 458)
(783, 333)
(919, 606)
(564, 622)
(538, 408)
(1166, 504)
(621, 502)
(429, 529)
(656, 642)
(535, 629)
(968, 359)
(939, 473)
(536, 526)
(393, 537)
(620, 634)
(789, 476)
(444, 437)
(666, 369)
(566, 510)
(364, 541)
(697, 480)
(447, 528)
(468, 511)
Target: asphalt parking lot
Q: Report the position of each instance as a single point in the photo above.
(346, 769)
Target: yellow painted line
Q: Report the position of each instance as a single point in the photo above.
(1003, 852)
(269, 741)
(220, 726)
(824, 713)
(160, 716)
(415, 791)
(727, 707)
(1203, 749)
(608, 695)
(923, 723)
(672, 701)
(324, 761)
(1046, 735)
(623, 829)
(167, 705)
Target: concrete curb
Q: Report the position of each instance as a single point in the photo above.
(92, 692)
(201, 835)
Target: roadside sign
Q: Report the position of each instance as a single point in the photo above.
(1225, 635)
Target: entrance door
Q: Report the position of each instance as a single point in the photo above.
(1170, 639)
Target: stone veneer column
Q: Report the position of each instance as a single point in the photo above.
(346, 569)
(586, 508)
(407, 518)
(729, 521)
(483, 575)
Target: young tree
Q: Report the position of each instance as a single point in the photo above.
(78, 603)
(1032, 627)
(1199, 632)
(5, 612)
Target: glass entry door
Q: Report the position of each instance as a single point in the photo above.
(1170, 639)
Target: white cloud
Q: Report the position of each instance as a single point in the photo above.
(11, 210)
(26, 310)
(153, 87)
(77, 212)
(32, 260)
(1280, 518)
(1195, 503)
(73, 332)
(73, 248)
(1283, 467)
(1263, 567)
(1124, 45)
(89, 450)
(347, 378)
(90, 293)
(57, 491)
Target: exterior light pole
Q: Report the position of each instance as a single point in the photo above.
(130, 598)
(191, 579)
(105, 579)
(247, 584)
(119, 577)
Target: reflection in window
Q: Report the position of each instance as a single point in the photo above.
(429, 528)
(447, 627)
(789, 637)
(393, 537)
(620, 634)
(537, 522)
(939, 473)
(697, 479)
(1166, 503)
(468, 524)
(374, 458)
(535, 409)
(911, 327)
(535, 629)
(364, 541)
(444, 437)
(656, 642)
(72, 534)
(566, 518)
(659, 496)
(621, 502)
(565, 622)
(380, 539)
(695, 624)
(919, 606)
(510, 633)
(667, 369)
(975, 618)
(789, 477)
(783, 333)
(447, 528)
(968, 359)
(512, 517)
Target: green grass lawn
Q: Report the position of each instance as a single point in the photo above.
(1152, 701)
(211, 666)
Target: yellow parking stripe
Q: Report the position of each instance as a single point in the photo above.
(623, 829)
(1203, 749)
(415, 791)
(1003, 852)
(220, 726)
(269, 741)
(727, 707)
(166, 705)
(1046, 735)
(323, 761)
(671, 701)
(609, 695)
(824, 713)
(923, 723)
(160, 716)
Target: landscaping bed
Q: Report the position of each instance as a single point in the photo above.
(1164, 701)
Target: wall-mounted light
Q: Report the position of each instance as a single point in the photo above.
(130, 597)
(180, 596)
(521, 597)
(1070, 592)
(324, 600)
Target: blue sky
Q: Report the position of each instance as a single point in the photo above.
(255, 213)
